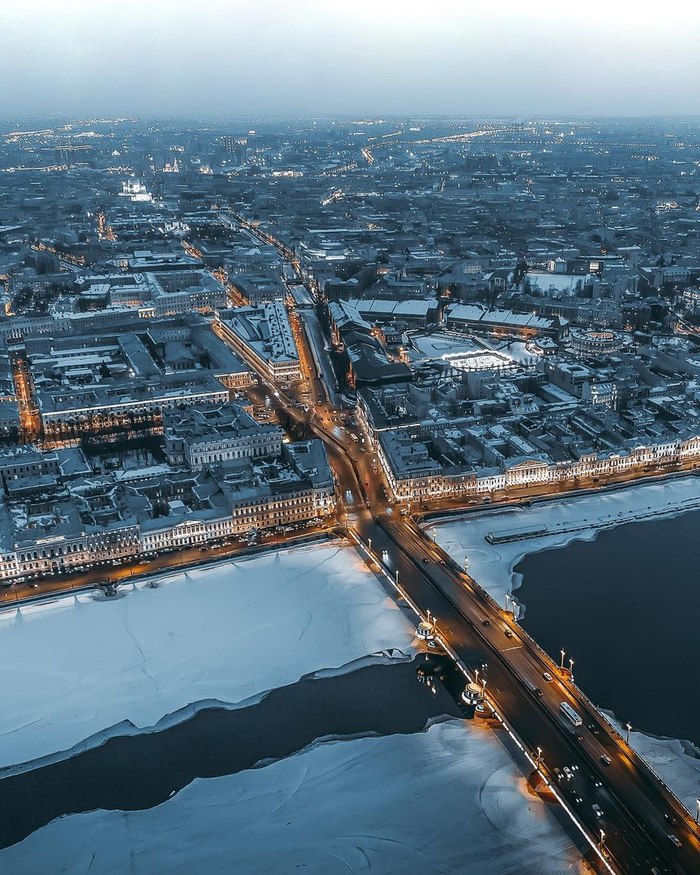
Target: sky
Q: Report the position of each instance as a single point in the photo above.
(224, 58)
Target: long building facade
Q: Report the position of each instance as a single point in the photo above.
(412, 477)
(53, 522)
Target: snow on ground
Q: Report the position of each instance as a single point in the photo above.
(449, 799)
(517, 350)
(438, 345)
(446, 800)
(77, 666)
(675, 762)
(567, 519)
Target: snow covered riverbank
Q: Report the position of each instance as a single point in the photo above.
(676, 762)
(566, 520)
(446, 800)
(77, 666)
(577, 519)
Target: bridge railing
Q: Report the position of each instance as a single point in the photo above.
(538, 765)
(645, 769)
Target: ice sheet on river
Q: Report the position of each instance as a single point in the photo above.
(566, 519)
(447, 800)
(675, 762)
(76, 666)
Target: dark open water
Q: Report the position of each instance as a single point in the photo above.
(626, 607)
(140, 771)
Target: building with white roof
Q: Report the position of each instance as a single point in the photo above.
(264, 334)
(476, 317)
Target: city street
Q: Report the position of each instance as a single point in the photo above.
(638, 812)
(364, 309)
(172, 560)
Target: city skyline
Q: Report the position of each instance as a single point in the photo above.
(349, 437)
(246, 59)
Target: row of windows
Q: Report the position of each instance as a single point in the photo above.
(52, 552)
(275, 505)
(411, 487)
(231, 454)
(38, 560)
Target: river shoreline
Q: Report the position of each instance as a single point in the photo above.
(626, 585)
(141, 770)
(580, 524)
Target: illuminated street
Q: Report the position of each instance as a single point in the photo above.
(349, 438)
(636, 803)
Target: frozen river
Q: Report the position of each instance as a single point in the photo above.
(625, 607)
(612, 581)
(163, 678)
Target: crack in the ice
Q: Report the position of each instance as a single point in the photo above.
(290, 795)
(340, 860)
(316, 566)
(138, 647)
(285, 583)
(365, 856)
(306, 627)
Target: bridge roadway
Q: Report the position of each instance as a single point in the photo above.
(638, 811)
(633, 801)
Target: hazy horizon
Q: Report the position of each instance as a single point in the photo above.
(245, 59)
